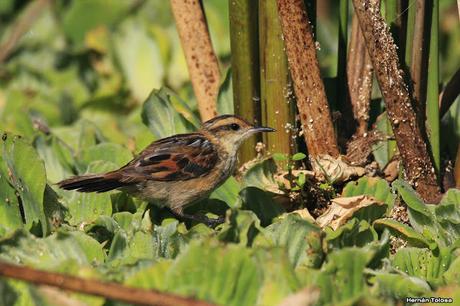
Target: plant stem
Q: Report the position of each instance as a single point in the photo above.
(309, 87)
(94, 287)
(432, 105)
(342, 97)
(201, 60)
(359, 75)
(245, 66)
(408, 133)
(278, 108)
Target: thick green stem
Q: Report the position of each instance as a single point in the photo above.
(245, 66)
(278, 104)
(432, 105)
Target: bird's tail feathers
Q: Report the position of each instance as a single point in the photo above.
(92, 182)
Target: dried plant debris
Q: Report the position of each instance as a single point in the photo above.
(399, 213)
(359, 148)
(391, 170)
(342, 209)
(335, 170)
(396, 243)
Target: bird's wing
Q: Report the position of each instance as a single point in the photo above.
(180, 157)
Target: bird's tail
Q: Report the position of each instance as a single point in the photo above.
(92, 182)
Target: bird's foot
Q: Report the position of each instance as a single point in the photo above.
(210, 222)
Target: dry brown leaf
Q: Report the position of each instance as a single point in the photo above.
(304, 214)
(328, 168)
(305, 297)
(342, 209)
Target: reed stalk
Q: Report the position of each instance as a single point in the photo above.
(245, 66)
(278, 103)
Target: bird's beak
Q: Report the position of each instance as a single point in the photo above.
(258, 129)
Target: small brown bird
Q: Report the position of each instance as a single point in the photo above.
(179, 170)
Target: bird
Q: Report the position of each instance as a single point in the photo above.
(179, 170)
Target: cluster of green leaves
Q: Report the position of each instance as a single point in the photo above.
(73, 91)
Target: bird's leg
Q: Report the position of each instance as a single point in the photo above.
(178, 211)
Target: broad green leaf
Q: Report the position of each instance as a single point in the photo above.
(260, 175)
(448, 214)
(224, 275)
(140, 58)
(261, 203)
(52, 251)
(165, 118)
(452, 275)
(110, 152)
(423, 217)
(244, 226)
(10, 215)
(406, 232)
(56, 156)
(354, 233)
(400, 286)
(26, 173)
(279, 278)
(301, 239)
(87, 207)
(85, 15)
(423, 263)
(341, 280)
(372, 186)
(228, 192)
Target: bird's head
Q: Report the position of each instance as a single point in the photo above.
(231, 130)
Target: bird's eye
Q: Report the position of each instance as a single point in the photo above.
(234, 126)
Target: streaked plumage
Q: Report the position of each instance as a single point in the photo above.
(178, 170)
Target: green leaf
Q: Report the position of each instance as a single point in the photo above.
(140, 58)
(260, 175)
(279, 277)
(10, 215)
(341, 280)
(110, 152)
(225, 97)
(418, 211)
(85, 15)
(400, 286)
(448, 214)
(298, 156)
(353, 233)
(301, 239)
(423, 263)
(406, 232)
(87, 207)
(164, 118)
(261, 203)
(26, 173)
(224, 275)
(228, 192)
(372, 186)
(52, 251)
(452, 275)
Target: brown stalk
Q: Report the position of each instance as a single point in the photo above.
(419, 55)
(308, 86)
(359, 75)
(22, 25)
(201, 60)
(418, 166)
(111, 291)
